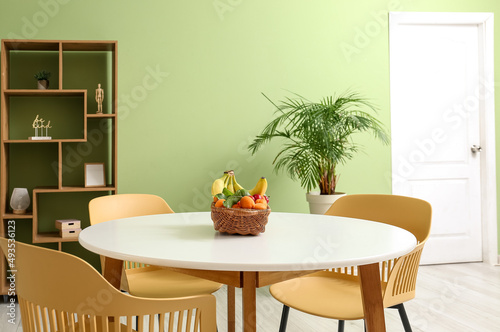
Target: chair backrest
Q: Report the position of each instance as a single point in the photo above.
(111, 207)
(61, 292)
(409, 213)
(398, 276)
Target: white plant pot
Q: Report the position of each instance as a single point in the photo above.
(319, 204)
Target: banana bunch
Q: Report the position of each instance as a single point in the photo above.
(228, 181)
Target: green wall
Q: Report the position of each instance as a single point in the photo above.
(191, 74)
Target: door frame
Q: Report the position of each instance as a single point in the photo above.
(489, 222)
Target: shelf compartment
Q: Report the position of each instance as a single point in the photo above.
(24, 64)
(66, 112)
(29, 166)
(97, 149)
(52, 203)
(76, 76)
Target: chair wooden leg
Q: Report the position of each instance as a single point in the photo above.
(341, 325)
(404, 317)
(284, 318)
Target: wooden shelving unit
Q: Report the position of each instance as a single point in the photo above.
(61, 55)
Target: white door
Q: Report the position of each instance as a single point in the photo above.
(437, 98)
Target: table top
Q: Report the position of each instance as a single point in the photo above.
(291, 242)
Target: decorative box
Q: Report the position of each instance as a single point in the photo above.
(69, 232)
(67, 224)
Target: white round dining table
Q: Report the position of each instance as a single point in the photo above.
(293, 244)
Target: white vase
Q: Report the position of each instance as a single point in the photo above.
(319, 204)
(20, 200)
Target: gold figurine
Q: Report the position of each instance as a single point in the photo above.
(99, 97)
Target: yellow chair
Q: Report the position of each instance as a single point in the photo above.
(139, 279)
(58, 292)
(336, 294)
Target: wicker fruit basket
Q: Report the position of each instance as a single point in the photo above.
(239, 221)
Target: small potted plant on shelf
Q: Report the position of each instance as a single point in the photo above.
(317, 136)
(43, 79)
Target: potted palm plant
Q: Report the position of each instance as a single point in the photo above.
(316, 137)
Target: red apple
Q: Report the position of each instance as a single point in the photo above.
(256, 197)
(266, 198)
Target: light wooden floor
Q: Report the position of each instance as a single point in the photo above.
(455, 297)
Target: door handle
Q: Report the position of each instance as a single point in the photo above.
(476, 148)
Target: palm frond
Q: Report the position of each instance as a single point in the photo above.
(318, 136)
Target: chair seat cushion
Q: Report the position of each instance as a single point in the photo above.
(322, 295)
(161, 283)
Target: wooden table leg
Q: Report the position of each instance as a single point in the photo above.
(371, 292)
(113, 269)
(249, 301)
(231, 312)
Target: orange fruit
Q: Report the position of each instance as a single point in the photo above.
(260, 206)
(261, 200)
(215, 199)
(235, 206)
(246, 202)
(220, 203)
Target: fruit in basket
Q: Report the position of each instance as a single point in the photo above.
(230, 183)
(260, 206)
(246, 202)
(236, 185)
(220, 203)
(219, 184)
(261, 200)
(257, 196)
(229, 193)
(260, 188)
